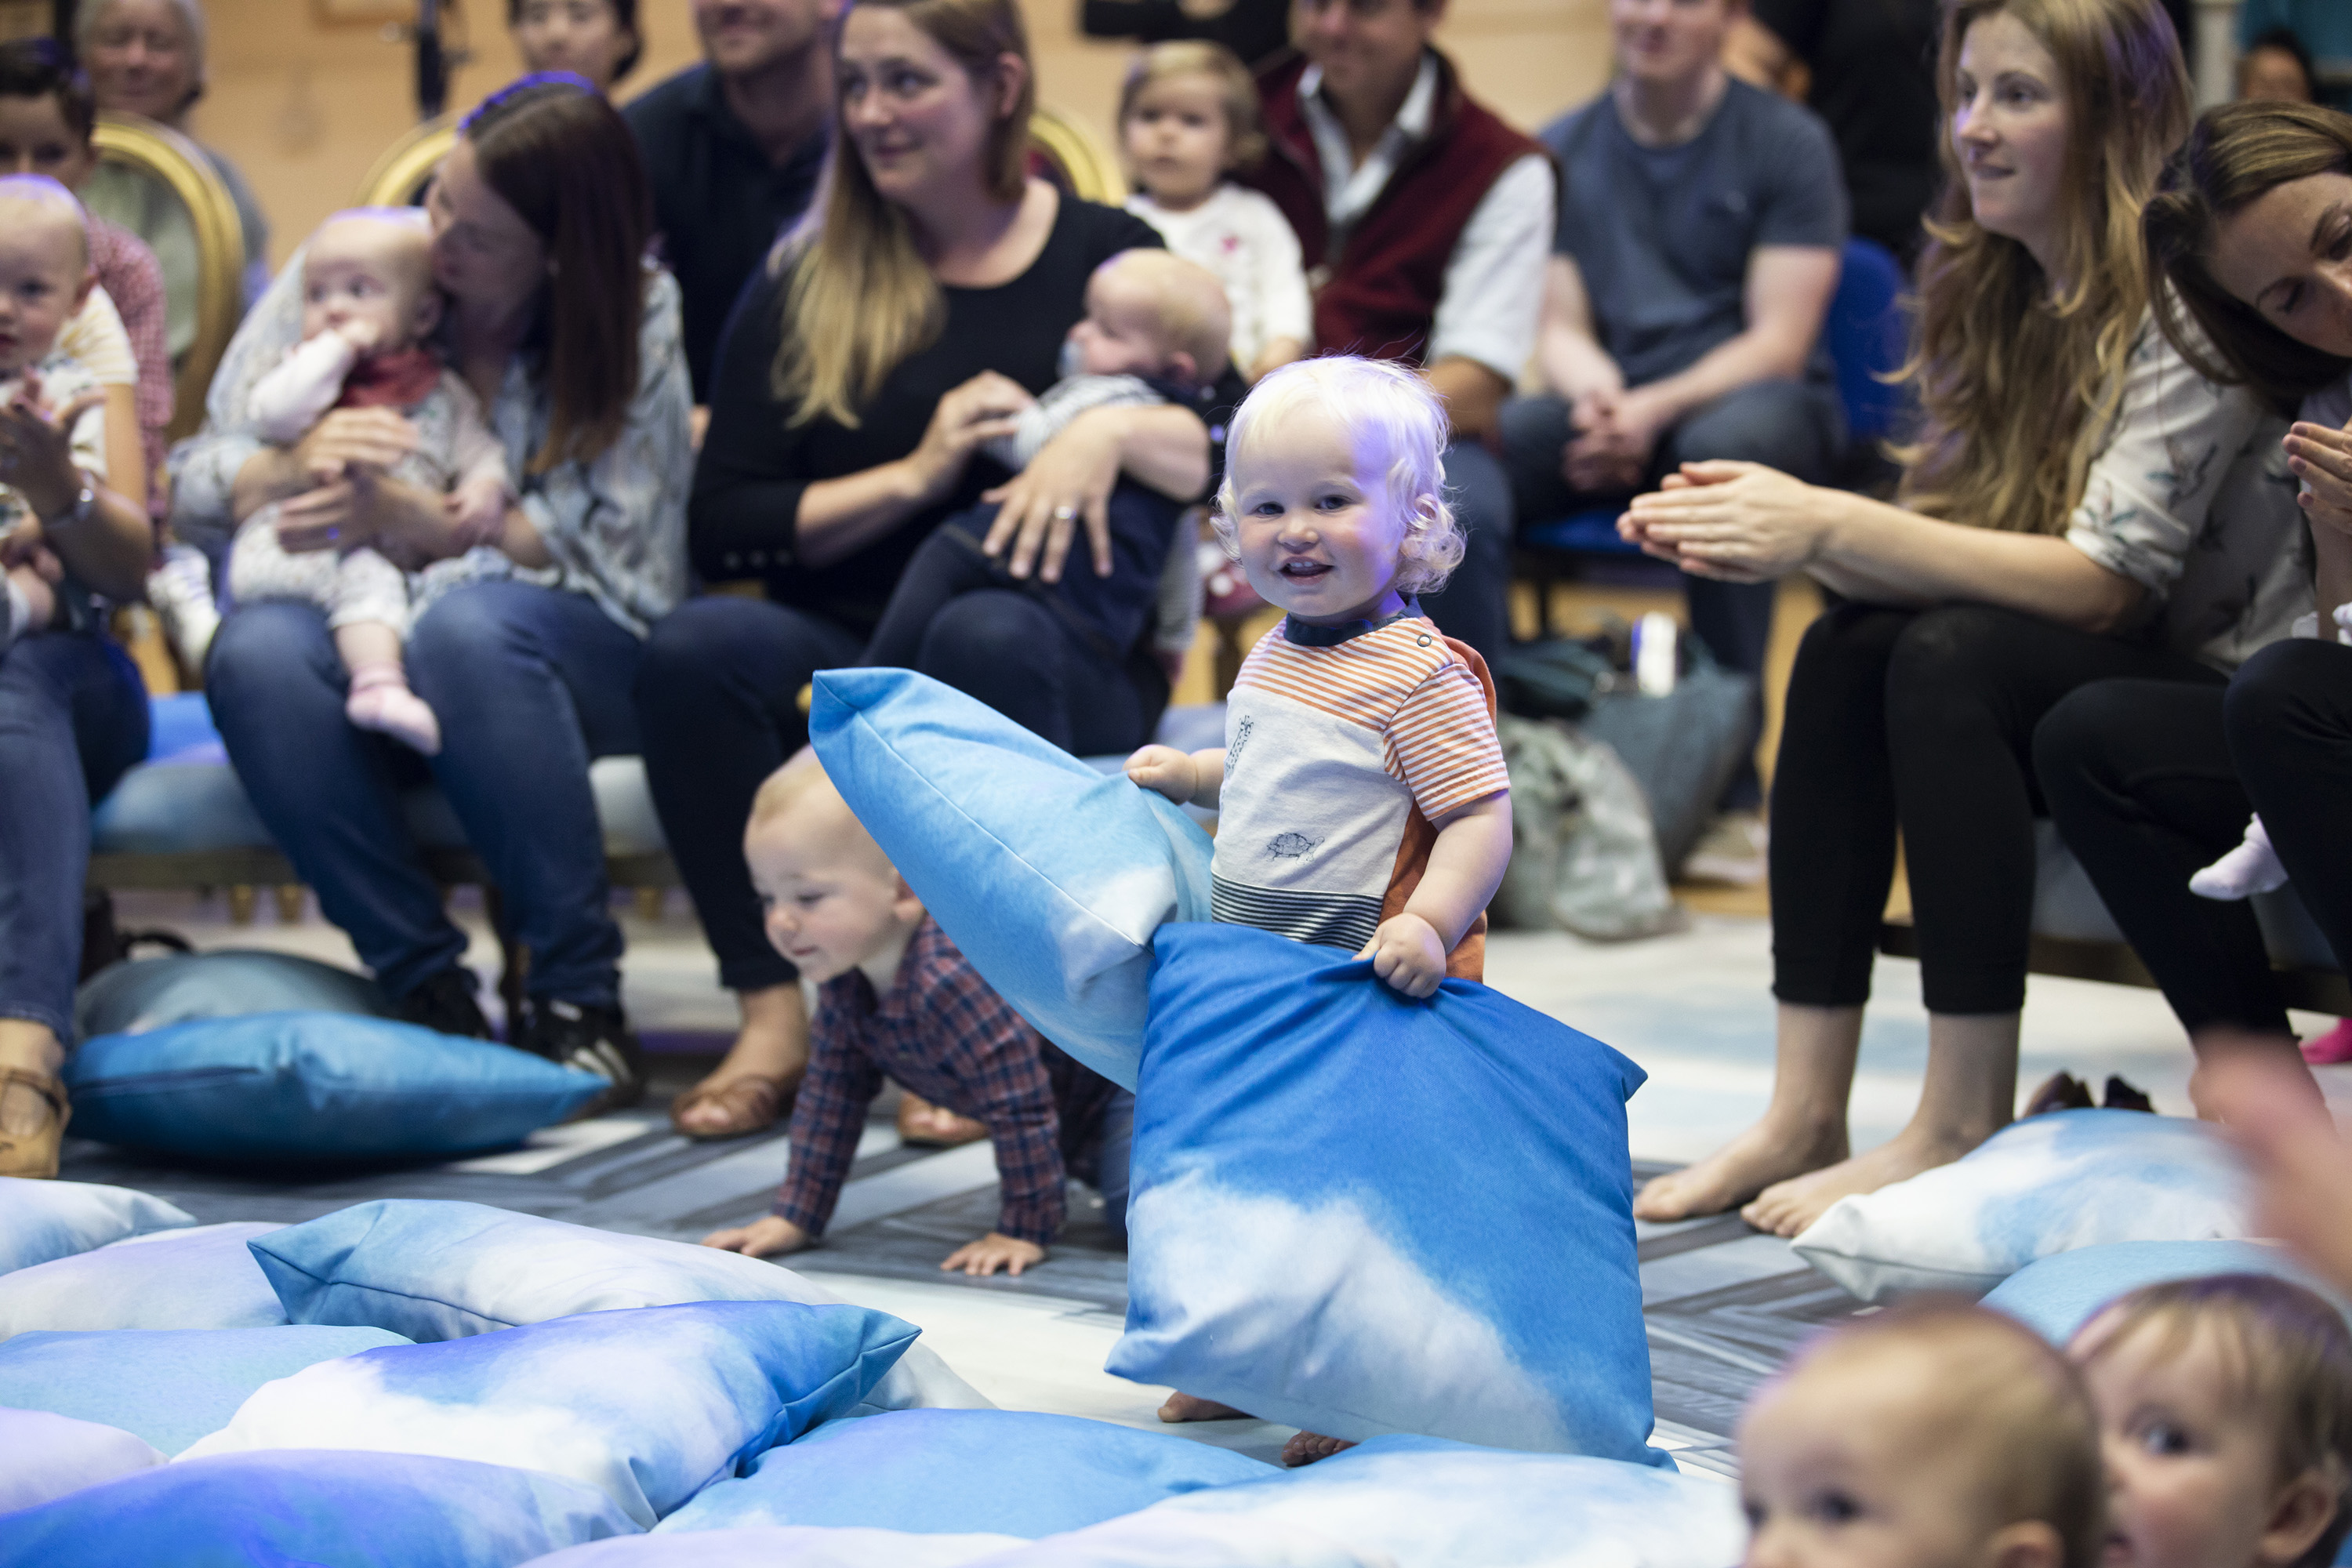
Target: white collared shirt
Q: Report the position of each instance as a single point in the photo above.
(1493, 296)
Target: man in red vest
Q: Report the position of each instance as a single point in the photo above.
(1425, 222)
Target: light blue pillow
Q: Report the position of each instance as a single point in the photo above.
(314, 1086)
(43, 1220)
(436, 1269)
(292, 1509)
(1420, 1503)
(44, 1456)
(2044, 1185)
(171, 1387)
(1049, 876)
(143, 994)
(1360, 1213)
(2058, 1295)
(1003, 1471)
(199, 1278)
(649, 1406)
(774, 1546)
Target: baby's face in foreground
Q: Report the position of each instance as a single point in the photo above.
(1319, 533)
(371, 279)
(41, 273)
(1843, 1466)
(831, 902)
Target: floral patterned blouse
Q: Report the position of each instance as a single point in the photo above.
(616, 526)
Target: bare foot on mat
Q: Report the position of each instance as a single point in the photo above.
(1787, 1207)
(1742, 1168)
(1306, 1447)
(1186, 1407)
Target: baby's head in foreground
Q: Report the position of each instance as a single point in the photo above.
(367, 273)
(2225, 1415)
(1928, 1436)
(1152, 313)
(43, 267)
(831, 900)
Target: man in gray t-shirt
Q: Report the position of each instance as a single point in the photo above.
(1700, 228)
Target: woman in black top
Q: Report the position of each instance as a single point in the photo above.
(919, 307)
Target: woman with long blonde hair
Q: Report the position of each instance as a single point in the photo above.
(2080, 504)
(920, 305)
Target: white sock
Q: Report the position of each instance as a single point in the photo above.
(2251, 868)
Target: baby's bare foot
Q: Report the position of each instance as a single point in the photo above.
(1786, 1208)
(1742, 1168)
(1186, 1407)
(1306, 1447)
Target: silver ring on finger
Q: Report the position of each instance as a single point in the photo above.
(1065, 513)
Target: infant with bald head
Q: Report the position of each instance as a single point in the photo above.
(369, 306)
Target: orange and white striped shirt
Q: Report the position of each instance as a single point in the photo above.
(1338, 756)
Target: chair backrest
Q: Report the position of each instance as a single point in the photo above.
(401, 173)
(161, 154)
(1869, 337)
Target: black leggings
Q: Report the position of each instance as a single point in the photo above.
(2149, 781)
(1922, 719)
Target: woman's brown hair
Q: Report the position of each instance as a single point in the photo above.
(2235, 154)
(862, 300)
(2019, 374)
(562, 158)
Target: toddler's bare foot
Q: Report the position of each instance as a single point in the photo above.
(1765, 1154)
(1306, 1447)
(1787, 1207)
(396, 712)
(929, 1126)
(1186, 1407)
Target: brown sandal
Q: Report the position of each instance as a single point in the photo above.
(34, 1154)
(753, 1103)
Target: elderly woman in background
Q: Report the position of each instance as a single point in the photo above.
(147, 58)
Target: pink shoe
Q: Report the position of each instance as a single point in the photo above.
(2334, 1047)
(395, 710)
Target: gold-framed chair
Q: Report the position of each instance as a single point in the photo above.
(162, 155)
(401, 173)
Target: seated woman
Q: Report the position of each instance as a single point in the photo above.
(916, 309)
(2147, 781)
(541, 219)
(597, 39)
(2081, 505)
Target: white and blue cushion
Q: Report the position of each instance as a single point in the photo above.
(1361, 1214)
(2058, 1295)
(43, 1220)
(781, 1546)
(363, 1510)
(143, 993)
(202, 1277)
(1001, 1471)
(1049, 876)
(435, 1269)
(648, 1405)
(2044, 1185)
(44, 1456)
(310, 1086)
(171, 1387)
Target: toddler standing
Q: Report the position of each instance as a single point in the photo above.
(368, 303)
(1187, 116)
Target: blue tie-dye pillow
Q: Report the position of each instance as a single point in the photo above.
(649, 1406)
(1361, 1214)
(1414, 1503)
(1008, 1472)
(2044, 1185)
(2058, 1295)
(781, 1546)
(42, 1220)
(296, 1508)
(1050, 875)
(435, 1269)
(1148, 1540)
(45, 1455)
(201, 1276)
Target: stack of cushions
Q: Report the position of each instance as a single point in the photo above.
(2048, 1184)
(143, 994)
(1049, 876)
(1202, 1541)
(777, 1546)
(2057, 1296)
(439, 1270)
(45, 1455)
(201, 1277)
(958, 1471)
(395, 1510)
(310, 1086)
(1360, 1213)
(648, 1405)
(43, 1220)
(171, 1387)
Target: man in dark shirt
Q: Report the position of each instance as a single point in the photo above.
(734, 147)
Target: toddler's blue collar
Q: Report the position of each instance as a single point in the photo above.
(1295, 630)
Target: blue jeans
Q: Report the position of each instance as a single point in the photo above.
(531, 684)
(73, 721)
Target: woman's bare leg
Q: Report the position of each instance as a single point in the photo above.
(1803, 1128)
(772, 1043)
(1970, 1093)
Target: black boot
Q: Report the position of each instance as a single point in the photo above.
(444, 1002)
(593, 1039)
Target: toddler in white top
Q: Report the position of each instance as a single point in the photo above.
(45, 277)
(368, 304)
(1187, 116)
(1361, 797)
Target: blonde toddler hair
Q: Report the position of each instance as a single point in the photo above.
(1245, 125)
(1398, 428)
